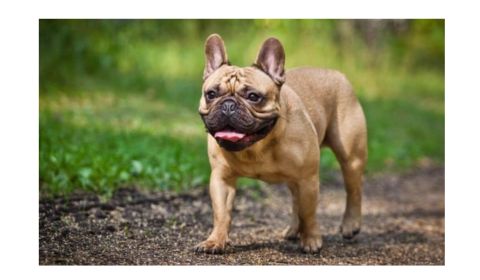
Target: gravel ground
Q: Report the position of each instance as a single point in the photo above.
(403, 224)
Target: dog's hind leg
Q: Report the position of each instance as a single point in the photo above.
(352, 170)
(347, 136)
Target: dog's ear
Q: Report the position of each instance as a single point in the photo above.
(215, 54)
(271, 60)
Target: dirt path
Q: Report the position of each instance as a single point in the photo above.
(403, 224)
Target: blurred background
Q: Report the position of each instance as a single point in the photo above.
(119, 98)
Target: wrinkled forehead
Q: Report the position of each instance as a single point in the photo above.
(231, 79)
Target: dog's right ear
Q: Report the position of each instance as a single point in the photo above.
(215, 54)
(271, 60)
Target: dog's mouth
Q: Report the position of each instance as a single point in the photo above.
(234, 140)
(229, 135)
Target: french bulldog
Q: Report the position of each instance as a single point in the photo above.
(267, 123)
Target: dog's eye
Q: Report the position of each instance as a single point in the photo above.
(254, 97)
(211, 95)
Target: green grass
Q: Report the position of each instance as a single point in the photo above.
(100, 141)
(119, 100)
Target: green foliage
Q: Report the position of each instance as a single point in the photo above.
(119, 98)
(96, 145)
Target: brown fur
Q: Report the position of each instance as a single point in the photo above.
(316, 107)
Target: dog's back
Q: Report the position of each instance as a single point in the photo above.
(329, 99)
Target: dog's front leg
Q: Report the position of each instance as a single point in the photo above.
(222, 194)
(307, 191)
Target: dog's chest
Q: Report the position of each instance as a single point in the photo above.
(270, 175)
(268, 167)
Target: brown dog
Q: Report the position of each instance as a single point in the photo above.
(266, 124)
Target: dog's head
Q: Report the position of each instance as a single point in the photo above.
(240, 105)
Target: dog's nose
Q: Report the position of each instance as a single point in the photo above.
(229, 107)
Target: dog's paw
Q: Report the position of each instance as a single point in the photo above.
(290, 233)
(311, 244)
(350, 228)
(210, 247)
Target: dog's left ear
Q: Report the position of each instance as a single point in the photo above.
(271, 60)
(215, 54)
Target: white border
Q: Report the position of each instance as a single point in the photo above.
(19, 125)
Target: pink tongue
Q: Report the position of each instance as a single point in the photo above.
(231, 136)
